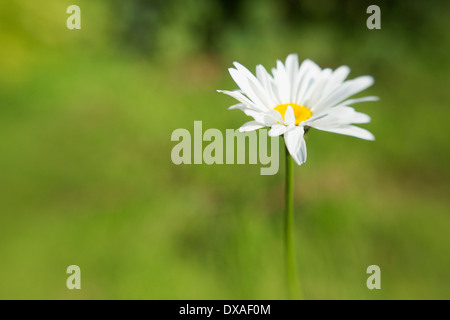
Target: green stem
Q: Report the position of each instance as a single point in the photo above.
(291, 266)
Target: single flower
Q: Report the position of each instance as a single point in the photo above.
(295, 98)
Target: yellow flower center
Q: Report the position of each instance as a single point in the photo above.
(301, 113)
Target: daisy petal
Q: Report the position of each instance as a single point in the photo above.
(259, 117)
(255, 84)
(313, 119)
(275, 115)
(239, 106)
(346, 90)
(289, 116)
(350, 130)
(278, 130)
(347, 115)
(250, 126)
(266, 81)
(238, 96)
(358, 100)
(336, 79)
(243, 82)
(306, 75)
(292, 68)
(316, 90)
(296, 144)
(282, 80)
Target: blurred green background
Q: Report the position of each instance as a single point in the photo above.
(86, 176)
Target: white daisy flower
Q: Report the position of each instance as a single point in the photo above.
(295, 98)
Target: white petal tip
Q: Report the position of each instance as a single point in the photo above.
(368, 136)
(298, 161)
(232, 70)
(274, 134)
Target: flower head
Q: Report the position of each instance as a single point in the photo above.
(294, 98)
